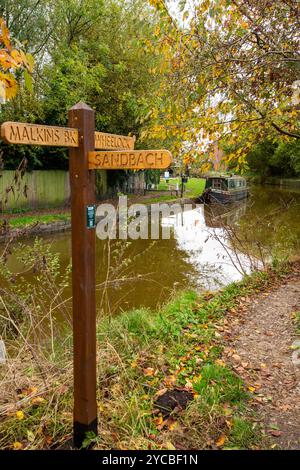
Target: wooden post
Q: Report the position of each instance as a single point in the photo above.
(82, 182)
(182, 186)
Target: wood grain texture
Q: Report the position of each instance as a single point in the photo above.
(83, 275)
(105, 141)
(35, 134)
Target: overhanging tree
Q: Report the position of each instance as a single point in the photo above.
(232, 76)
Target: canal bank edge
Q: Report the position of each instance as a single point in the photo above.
(288, 183)
(36, 228)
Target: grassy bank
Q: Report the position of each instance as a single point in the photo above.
(29, 220)
(193, 188)
(144, 357)
(21, 219)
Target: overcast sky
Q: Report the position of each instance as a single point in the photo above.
(175, 10)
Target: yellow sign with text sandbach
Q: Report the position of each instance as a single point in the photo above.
(34, 134)
(130, 160)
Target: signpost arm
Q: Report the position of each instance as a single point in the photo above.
(82, 182)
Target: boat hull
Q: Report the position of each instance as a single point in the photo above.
(225, 197)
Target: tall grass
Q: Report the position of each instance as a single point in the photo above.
(140, 355)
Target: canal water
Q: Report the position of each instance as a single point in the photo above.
(215, 246)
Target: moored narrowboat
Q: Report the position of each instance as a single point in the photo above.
(225, 189)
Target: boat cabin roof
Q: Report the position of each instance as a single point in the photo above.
(227, 177)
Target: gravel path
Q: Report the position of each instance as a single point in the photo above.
(260, 338)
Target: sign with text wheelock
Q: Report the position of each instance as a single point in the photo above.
(36, 134)
(82, 140)
(113, 142)
(130, 160)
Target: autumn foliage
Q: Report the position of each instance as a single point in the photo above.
(231, 75)
(12, 60)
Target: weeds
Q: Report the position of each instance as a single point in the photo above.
(141, 355)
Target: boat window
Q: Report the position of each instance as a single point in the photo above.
(217, 184)
(231, 184)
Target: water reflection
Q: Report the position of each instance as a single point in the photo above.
(213, 247)
(202, 235)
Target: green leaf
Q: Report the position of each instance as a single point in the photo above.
(30, 61)
(28, 81)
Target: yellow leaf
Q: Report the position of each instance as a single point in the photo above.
(5, 60)
(20, 415)
(221, 441)
(18, 445)
(251, 389)
(4, 34)
(149, 371)
(170, 446)
(172, 424)
(220, 362)
(10, 86)
(30, 62)
(197, 377)
(38, 400)
(30, 436)
(158, 421)
(17, 56)
(170, 380)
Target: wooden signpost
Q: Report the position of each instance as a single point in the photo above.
(82, 140)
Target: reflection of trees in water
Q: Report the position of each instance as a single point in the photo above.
(146, 271)
(209, 276)
(265, 227)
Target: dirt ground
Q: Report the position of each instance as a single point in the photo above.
(261, 343)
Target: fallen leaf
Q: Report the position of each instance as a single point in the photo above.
(20, 415)
(236, 357)
(48, 440)
(149, 372)
(188, 385)
(38, 400)
(220, 362)
(170, 446)
(221, 441)
(158, 421)
(18, 445)
(170, 380)
(171, 424)
(30, 436)
(160, 392)
(275, 433)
